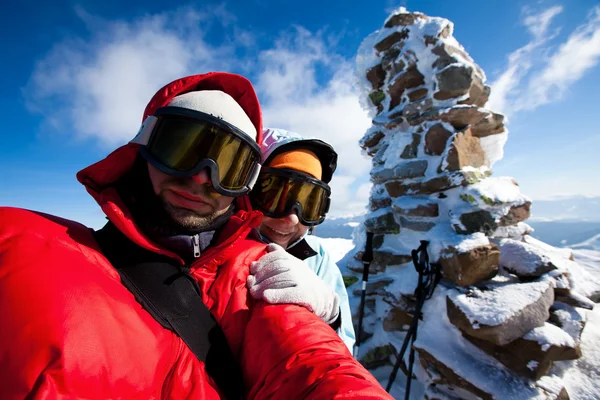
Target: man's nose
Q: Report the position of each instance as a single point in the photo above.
(202, 177)
(292, 218)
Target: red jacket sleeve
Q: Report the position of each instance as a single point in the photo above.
(289, 352)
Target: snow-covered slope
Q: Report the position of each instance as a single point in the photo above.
(581, 378)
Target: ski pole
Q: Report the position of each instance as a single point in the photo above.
(366, 260)
(429, 277)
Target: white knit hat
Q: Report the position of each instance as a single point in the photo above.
(214, 102)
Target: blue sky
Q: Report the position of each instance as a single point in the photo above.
(77, 74)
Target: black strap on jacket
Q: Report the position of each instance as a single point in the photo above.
(172, 296)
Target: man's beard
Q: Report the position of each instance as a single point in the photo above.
(189, 219)
(155, 215)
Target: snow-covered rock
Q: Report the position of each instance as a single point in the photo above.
(486, 332)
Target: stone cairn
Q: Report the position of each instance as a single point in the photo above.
(508, 306)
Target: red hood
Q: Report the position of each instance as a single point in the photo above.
(98, 178)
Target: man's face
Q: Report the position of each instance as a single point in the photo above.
(283, 231)
(190, 202)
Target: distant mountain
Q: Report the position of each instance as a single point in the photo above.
(561, 222)
(591, 244)
(338, 227)
(576, 208)
(564, 233)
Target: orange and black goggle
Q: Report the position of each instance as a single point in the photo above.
(183, 142)
(279, 192)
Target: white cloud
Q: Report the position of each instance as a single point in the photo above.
(98, 88)
(539, 73)
(294, 100)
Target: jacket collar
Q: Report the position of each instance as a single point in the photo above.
(299, 249)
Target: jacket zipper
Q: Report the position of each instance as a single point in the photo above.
(196, 242)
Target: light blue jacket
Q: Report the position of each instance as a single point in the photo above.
(310, 250)
(326, 269)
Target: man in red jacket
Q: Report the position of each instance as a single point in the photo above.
(83, 313)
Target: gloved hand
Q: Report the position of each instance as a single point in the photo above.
(278, 278)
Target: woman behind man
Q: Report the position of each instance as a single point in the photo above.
(293, 194)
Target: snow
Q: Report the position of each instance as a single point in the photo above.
(498, 189)
(521, 258)
(550, 335)
(592, 243)
(532, 365)
(513, 231)
(337, 248)
(493, 146)
(494, 307)
(582, 376)
(577, 269)
(470, 242)
(465, 359)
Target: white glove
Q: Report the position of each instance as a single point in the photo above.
(280, 278)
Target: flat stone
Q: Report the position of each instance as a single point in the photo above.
(416, 110)
(465, 151)
(569, 320)
(374, 287)
(407, 170)
(523, 259)
(392, 39)
(378, 356)
(371, 139)
(379, 156)
(516, 214)
(398, 188)
(532, 355)
(403, 19)
(385, 258)
(395, 121)
(397, 319)
(376, 75)
(422, 210)
(410, 78)
(482, 122)
(411, 150)
(503, 313)
(447, 384)
(385, 223)
(436, 139)
(477, 221)
(454, 81)
(381, 260)
(390, 61)
(378, 203)
(378, 240)
(448, 55)
(374, 268)
(479, 93)
(441, 374)
(467, 268)
(417, 94)
(416, 225)
(574, 299)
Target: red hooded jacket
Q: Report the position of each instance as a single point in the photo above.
(70, 329)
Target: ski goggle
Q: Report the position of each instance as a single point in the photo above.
(182, 142)
(279, 192)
